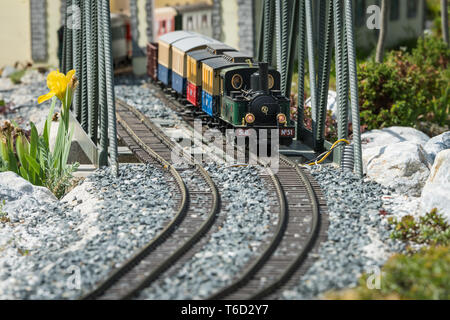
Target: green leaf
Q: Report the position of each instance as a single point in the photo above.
(34, 140)
(24, 174)
(34, 165)
(67, 146)
(21, 150)
(48, 122)
(12, 163)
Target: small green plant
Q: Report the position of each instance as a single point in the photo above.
(30, 157)
(16, 77)
(23, 252)
(430, 229)
(29, 154)
(423, 275)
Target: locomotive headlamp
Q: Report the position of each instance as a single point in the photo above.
(281, 117)
(249, 118)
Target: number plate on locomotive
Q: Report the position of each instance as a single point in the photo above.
(287, 132)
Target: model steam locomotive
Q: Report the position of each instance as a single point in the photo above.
(227, 85)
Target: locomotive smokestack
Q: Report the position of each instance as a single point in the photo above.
(264, 77)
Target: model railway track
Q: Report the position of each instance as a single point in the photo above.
(300, 231)
(186, 228)
(279, 257)
(287, 251)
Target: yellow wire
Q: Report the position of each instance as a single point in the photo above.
(328, 153)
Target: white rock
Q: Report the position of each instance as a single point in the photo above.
(32, 76)
(437, 144)
(6, 84)
(402, 166)
(386, 136)
(20, 193)
(436, 193)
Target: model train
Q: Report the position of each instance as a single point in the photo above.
(225, 84)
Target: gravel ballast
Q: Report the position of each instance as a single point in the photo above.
(247, 224)
(136, 94)
(358, 234)
(22, 99)
(95, 228)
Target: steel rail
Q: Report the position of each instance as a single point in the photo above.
(180, 214)
(270, 249)
(312, 236)
(168, 231)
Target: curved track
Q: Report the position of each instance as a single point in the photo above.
(181, 233)
(280, 257)
(299, 232)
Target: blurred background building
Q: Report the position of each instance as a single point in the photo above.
(29, 28)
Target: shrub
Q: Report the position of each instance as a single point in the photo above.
(408, 88)
(424, 275)
(431, 229)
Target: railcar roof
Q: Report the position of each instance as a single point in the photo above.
(219, 48)
(171, 37)
(190, 43)
(201, 54)
(236, 56)
(217, 63)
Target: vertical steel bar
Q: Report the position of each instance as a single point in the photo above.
(301, 67)
(292, 44)
(83, 81)
(278, 33)
(311, 64)
(69, 25)
(269, 18)
(103, 156)
(353, 87)
(324, 73)
(92, 71)
(76, 40)
(110, 87)
(284, 44)
(341, 74)
(62, 63)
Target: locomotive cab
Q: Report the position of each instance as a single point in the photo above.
(251, 98)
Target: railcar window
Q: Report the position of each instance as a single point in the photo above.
(204, 20)
(360, 12)
(190, 23)
(394, 13)
(412, 8)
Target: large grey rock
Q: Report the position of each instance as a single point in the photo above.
(386, 136)
(437, 144)
(402, 166)
(19, 193)
(436, 193)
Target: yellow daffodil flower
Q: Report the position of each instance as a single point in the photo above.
(58, 83)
